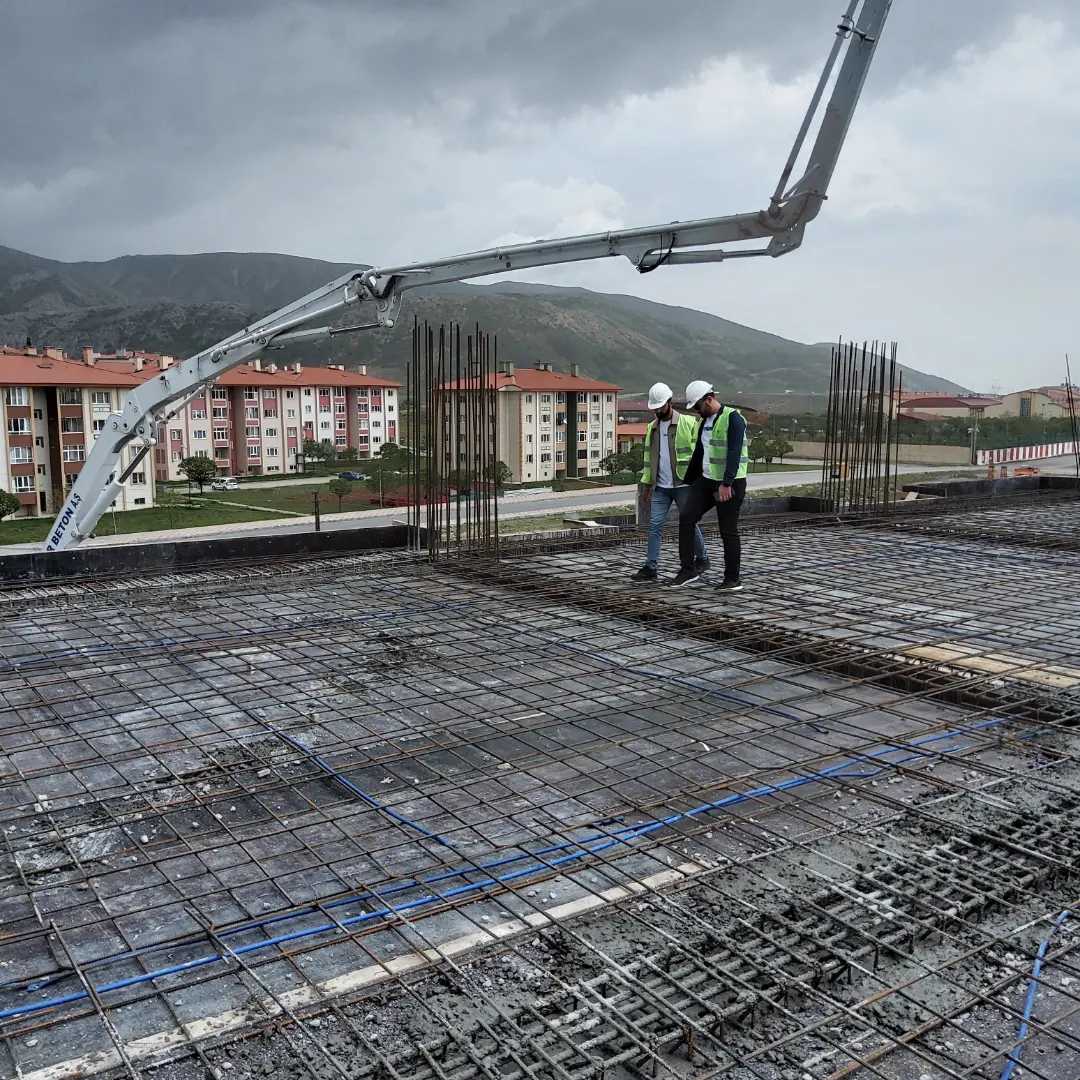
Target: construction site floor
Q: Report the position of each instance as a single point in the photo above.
(370, 816)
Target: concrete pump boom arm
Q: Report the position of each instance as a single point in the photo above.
(676, 243)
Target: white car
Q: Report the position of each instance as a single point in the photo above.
(226, 483)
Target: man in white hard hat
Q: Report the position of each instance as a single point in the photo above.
(716, 476)
(669, 444)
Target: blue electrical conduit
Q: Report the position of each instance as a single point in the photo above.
(393, 890)
(1029, 999)
(590, 846)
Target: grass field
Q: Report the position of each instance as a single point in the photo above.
(28, 530)
(761, 467)
(298, 498)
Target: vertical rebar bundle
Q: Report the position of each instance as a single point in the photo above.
(453, 430)
(859, 466)
(1074, 427)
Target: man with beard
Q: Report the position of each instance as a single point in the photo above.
(669, 444)
(716, 479)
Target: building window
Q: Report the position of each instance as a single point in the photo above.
(140, 501)
(41, 470)
(340, 440)
(16, 395)
(97, 426)
(291, 414)
(271, 394)
(271, 451)
(528, 459)
(325, 425)
(221, 452)
(220, 393)
(71, 425)
(545, 418)
(545, 457)
(307, 391)
(251, 412)
(74, 453)
(250, 394)
(18, 425)
(198, 414)
(560, 457)
(199, 433)
(252, 451)
(39, 440)
(22, 483)
(1025, 406)
(20, 455)
(595, 436)
(307, 410)
(69, 397)
(582, 437)
(221, 433)
(271, 432)
(528, 399)
(545, 437)
(528, 418)
(252, 432)
(38, 414)
(290, 393)
(595, 454)
(219, 413)
(596, 399)
(177, 434)
(138, 478)
(100, 397)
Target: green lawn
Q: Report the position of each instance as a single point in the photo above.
(761, 467)
(298, 498)
(27, 530)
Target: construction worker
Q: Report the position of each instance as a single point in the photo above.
(716, 475)
(669, 443)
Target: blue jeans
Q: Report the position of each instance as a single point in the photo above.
(662, 498)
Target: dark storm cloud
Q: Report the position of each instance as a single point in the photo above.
(90, 83)
(390, 131)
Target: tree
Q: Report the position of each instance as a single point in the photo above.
(312, 450)
(347, 455)
(9, 504)
(626, 461)
(781, 448)
(340, 488)
(758, 446)
(199, 470)
(501, 474)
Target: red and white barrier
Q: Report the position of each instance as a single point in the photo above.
(1024, 453)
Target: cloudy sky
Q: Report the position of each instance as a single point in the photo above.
(386, 132)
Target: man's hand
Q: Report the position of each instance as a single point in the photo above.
(723, 493)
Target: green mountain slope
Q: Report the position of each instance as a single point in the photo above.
(182, 303)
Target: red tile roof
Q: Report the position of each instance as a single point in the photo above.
(537, 379)
(246, 375)
(19, 368)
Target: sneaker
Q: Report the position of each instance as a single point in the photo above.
(646, 573)
(730, 586)
(684, 577)
(702, 565)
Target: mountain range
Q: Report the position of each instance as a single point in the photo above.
(179, 304)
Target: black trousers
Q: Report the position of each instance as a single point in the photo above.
(703, 498)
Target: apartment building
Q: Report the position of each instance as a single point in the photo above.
(551, 424)
(257, 417)
(51, 411)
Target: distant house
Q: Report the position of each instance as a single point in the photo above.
(630, 434)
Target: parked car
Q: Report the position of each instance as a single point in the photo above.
(226, 483)
(351, 476)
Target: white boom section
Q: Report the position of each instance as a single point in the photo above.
(676, 243)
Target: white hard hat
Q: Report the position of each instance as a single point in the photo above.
(696, 390)
(659, 395)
